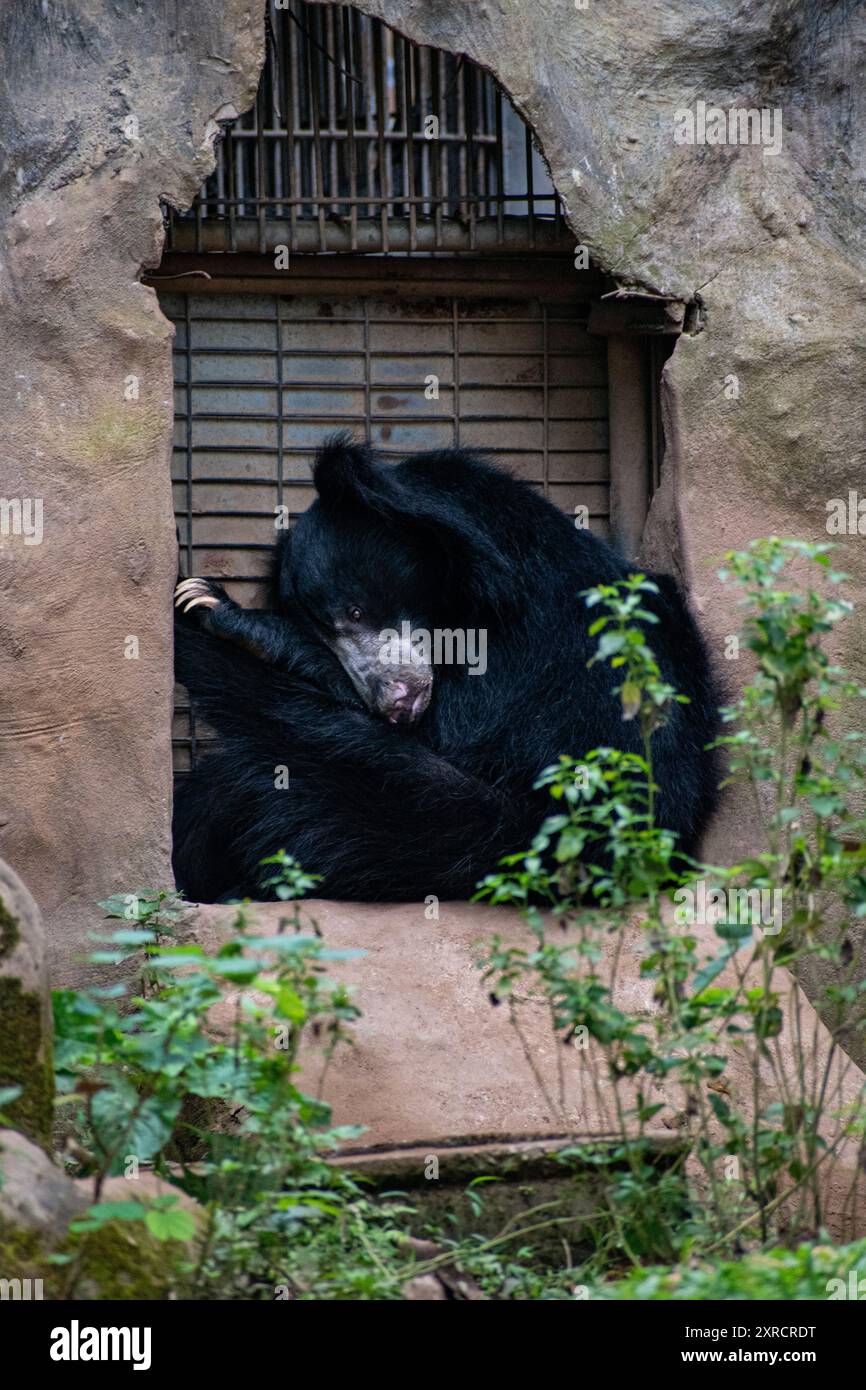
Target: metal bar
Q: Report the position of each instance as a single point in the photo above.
(350, 130)
(437, 153)
(369, 69)
(232, 173)
(313, 77)
(369, 239)
(390, 114)
(380, 131)
(410, 142)
(291, 95)
(472, 172)
(395, 136)
(261, 169)
(463, 183)
(277, 199)
(331, 88)
(530, 187)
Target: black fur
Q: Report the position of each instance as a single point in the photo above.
(444, 540)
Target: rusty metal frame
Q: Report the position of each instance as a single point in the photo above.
(333, 154)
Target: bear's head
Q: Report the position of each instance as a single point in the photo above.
(384, 562)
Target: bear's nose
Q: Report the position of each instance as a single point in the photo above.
(403, 703)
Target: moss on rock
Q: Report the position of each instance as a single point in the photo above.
(26, 1061)
(10, 933)
(122, 1260)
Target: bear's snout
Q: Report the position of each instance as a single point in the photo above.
(404, 701)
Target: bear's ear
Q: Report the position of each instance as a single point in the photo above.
(345, 471)
(473, 563)
(347, 475)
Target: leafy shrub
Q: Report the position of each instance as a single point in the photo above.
(602, 848)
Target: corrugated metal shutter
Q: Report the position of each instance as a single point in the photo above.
(260, 379)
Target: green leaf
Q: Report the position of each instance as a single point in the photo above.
(709, 972)
(610, 643)
(171, 1224)
(236, 968)
(117, 1211)
(288, 1004)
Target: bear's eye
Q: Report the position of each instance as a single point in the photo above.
(354, 613)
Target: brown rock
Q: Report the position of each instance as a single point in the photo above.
(35, 1195)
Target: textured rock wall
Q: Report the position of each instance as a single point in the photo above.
(84, 711)
(767, 249)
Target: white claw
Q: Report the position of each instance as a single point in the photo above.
(189, 588)
(208, 600)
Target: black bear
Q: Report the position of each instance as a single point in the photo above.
(424, 657)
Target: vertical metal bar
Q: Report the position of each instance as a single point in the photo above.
(281, 96)
(530, 187)
(369, 71)
(331, 70)
(489, 89)
(394, 151)
(419, 90)
(384, 189)
(461, 127)
(290, 87)
(274, 145)
(500, 171)
(436, 154)
(471, 171)
(485, 153)
(410, 142)
(220, 179)
(313, 78)
(232, 186)
(261, 189)
(350, 130)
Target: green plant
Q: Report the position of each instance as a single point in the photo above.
(757, 1164)
(208, 1052)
